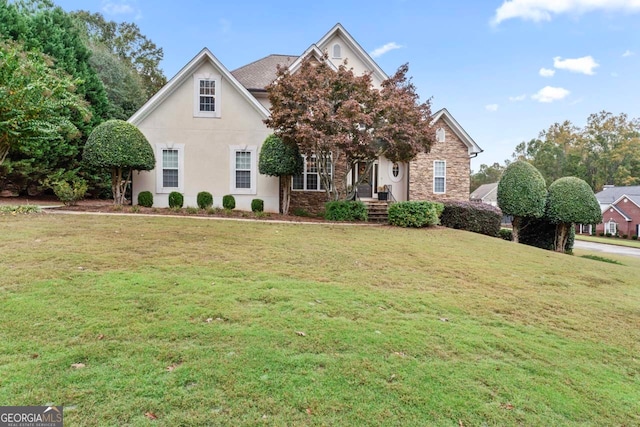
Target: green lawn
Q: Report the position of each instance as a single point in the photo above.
(204, 322)
(609, 240)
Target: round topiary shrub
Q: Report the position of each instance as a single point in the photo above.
(176, 200)
(145, 198)
(228, 202)
(257, 205)
(205, 200)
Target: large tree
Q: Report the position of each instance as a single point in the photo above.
(521, 193)
(120, 147)
(486, 175)
(125, 41)
(35, 104)
(338, 116)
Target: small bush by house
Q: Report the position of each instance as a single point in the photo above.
(257, 205)
(228, 202)
(145, 199)
(470, 216)
(70, 194)
(176, 200)
(345, 210)
(204, 199)
(415, 214)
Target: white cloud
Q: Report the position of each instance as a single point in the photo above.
(628, 53)
(549, 94)
(491, 107)
(111, 8)
(518, 98)
(376, 53)
(543, 10)
(584, 65)
(546, 72)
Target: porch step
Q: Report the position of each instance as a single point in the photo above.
(377, 211)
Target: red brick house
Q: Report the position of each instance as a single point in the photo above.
(620, 211)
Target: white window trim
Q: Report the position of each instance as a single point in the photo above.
(608, 227)
(305, 173)
(196, 95)
(440, 135)
(400, 172)
(434, 177)
(159, 179)
(333, 51)
(233, 149)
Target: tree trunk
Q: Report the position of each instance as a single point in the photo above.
(562, 235)
(285, 184)
(515, 233)
(115, 185)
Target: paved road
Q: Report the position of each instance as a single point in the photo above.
(610, 249)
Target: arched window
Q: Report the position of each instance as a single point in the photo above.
(337, 51)
(440, 135)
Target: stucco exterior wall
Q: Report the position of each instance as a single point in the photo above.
(458, 168)
(207, 144)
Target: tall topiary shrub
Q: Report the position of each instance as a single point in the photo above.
(204, 200)
(541, 233)
(522, 193)
(571, 201)
(281, 160)
(120, 147)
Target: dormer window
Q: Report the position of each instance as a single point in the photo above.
(440, 135)
(337, 51)
(206, 95)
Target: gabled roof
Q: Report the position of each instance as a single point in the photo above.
(313, 51)
(446, 116)
(617, 209)
(186, 73)
(357, 49)
(483, 191)
(259, 74)
(610, 195)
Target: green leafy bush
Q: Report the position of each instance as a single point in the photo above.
(505, 234)
(471, 216)
(345, 210)
(541, 233)
(176, 200)
(257, 205)
(414, 214)
(204, 199)
(634, 237)
(70, 194)
(145, 198)
(301, 212)
(228, 202)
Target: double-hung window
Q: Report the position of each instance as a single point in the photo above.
(439, 176)
(206, 95)
(243, 169)
(170, 170)
(310, 178)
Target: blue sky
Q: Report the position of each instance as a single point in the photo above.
(505, 69)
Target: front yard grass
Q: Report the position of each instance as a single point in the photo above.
(609, 240)
(198, 322)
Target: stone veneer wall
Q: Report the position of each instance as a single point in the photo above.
(458, 168)
(313, 201)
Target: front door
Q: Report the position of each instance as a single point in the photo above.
(365, 189)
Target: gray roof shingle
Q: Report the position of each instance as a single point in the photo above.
(610, 194)
(485, 189)
(259, 74)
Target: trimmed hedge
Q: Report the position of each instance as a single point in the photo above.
(145, 199)
(257, 205)
(345, 210)
(472, 216)
(204, 200)
(415, 214)
(541, 233)
(176, 200)
(228, 202)
(505, 234)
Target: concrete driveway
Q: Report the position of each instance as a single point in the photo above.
(609, 249)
